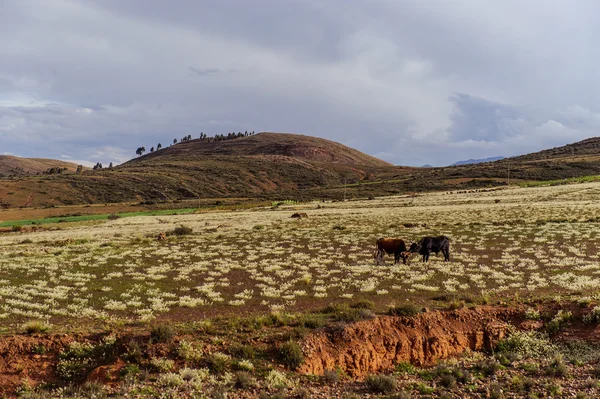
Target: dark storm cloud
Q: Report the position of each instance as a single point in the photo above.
(428, 82)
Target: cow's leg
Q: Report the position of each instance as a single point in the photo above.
(447, 255)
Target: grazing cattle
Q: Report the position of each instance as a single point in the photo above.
(394, 246)
(427, 245)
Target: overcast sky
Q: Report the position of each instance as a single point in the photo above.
(412, 82)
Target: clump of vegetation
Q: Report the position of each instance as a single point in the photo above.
(593, 317)
(242, 351)
(162, 365)
(409, 309)
(162, 333)
(332, 376)
(557, 368)
(527, 344)
(180, 231)
(243, 380)
(532, 314)
(35, 327)
(291, 354)
(189, 352)
(559, 321)
(378, 383)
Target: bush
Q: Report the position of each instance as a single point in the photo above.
(243, 380)
(557, 368)
(180, 231)
(331, 376)
(130, 370)
(363, 304)
(380, 383)
(409, 309)
(291, 354)
(162, 333)
(36, 327)
(593, 317)
(242, 351)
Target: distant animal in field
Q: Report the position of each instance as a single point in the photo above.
(427, 245)
(299, 215)
(394, 246)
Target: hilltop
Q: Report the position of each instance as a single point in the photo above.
(15, 166)
(265, 145)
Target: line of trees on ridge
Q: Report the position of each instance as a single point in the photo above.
(203, 137)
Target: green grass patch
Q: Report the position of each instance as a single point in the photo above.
(85, 218)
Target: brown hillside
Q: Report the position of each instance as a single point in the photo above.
(15, 166)
(306, 148)
(265, 165)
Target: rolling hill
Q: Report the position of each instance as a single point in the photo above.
(265, 165)
(11, 166)
(282, 166)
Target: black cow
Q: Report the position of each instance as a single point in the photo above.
(427, 245)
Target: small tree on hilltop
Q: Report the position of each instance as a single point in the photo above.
(140, 150)
(159, 146)
(174, 141)
(110, 165)
(151, 149)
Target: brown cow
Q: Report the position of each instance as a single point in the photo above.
(394, 246)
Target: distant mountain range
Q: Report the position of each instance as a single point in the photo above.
(473, 161)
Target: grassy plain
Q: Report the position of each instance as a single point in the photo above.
(509, 242)
(508, 245)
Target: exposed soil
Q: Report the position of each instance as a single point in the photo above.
(373, 345)
(357, 349)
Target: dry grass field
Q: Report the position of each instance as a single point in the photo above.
(509, 242)
(510, 246)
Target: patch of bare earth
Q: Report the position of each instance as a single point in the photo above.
(374, 345)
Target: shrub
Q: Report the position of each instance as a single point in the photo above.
(130, 370)
(558, 322)
(242, 351)
(593, 317)
(35, 327)
(291, 354)
(189, 352)
(243, 380)
(557, 368)
(532, 314)
(331, 376)
(339, 227)
(245, 365)
(276, 379)
(448, 381)
(17, 228)
(528, 344)
(180, 231)
(258, 227)
(113, 216)
(405, 367)
(380, 383)
(162, 333)
(409, 309)
(363, 304)
(489, 367)
(218, 362)
(162, 365)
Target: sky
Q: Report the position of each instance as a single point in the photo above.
(411, 82)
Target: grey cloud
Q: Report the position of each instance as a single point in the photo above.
(447, 81)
